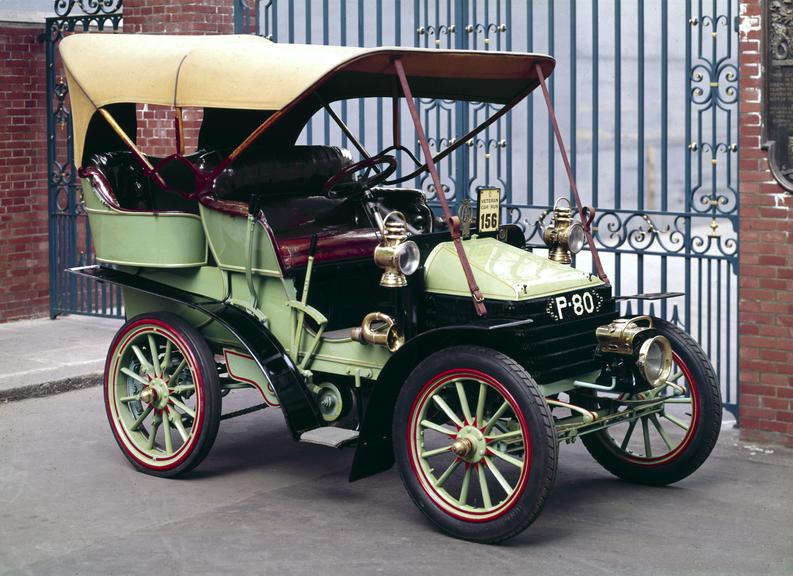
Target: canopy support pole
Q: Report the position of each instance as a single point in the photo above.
(452, 221)
(132, 147)
(344, 128)
(585, 216)
(517, 99)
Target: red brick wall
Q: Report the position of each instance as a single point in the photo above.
(156, 133)
(24, 280)
(766, 257)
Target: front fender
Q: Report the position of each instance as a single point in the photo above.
(375, 453)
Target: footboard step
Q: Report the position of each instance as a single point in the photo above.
(329, 436)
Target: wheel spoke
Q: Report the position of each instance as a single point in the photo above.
(480, 404)
(483, 487)
(627, 437)
(166, 359)
(491, 465)
(463, 402)
(178, 403)
(176, 418)
(437, 428)
(155, 425)
(495, 417)
(675, 421)
(466, 484)
(127, 399)
(141, 418)
(505, 436)
(134, 376)
(155, 360)
(505, 457)
(661, 432)
(178, 370)
(675, 377)
(435, 452)
(648, 451)
(142, 358)
(166, 430)
(447, 410)
(182, 388)
(449, 471)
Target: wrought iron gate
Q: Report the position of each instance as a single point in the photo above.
(70, 237)
(646, 94)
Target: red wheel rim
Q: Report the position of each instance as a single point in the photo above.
(133, 440)
(683, 443)
(484, 433)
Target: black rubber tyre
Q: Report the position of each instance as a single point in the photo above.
(510, 428)
(187, 401)
(696, 442)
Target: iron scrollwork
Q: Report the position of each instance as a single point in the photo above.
(91, 7)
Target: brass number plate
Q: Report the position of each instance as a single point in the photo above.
(489, 209)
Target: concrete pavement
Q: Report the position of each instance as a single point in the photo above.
(262, 504)
(44, 356)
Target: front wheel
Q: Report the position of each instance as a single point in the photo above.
(162, 394)
(668, 445)
(475, 444)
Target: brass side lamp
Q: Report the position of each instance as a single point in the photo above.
(563, 237)
(396, 255)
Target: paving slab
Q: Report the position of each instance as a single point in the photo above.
(263, 504)
(44, 356)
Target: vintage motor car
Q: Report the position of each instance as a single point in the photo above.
(436, 342)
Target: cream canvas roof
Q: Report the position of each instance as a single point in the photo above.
(250, 72)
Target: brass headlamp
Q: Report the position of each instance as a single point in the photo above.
(396, 255)
(563, 237)
(653, 355)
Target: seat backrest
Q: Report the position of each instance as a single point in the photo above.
(293, 171)
(131, 189)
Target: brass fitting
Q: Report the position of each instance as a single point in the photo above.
(617, 337)
(391, 337)
(563, 236)
(396, 255)
(654, 356)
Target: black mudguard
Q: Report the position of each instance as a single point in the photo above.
(297, 402)
(375, 453)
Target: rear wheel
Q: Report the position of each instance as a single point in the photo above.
(666, 446)
(475, 444)
(162, 394)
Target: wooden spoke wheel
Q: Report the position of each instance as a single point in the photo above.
(475, 443)
(671, 442)
(162, 394)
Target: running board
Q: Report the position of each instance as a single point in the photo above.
(330, 436)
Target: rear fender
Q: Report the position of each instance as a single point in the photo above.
(375, 453)
(297, 402)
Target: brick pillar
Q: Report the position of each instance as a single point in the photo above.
(156, 133)
(766, 257)
(24, 284)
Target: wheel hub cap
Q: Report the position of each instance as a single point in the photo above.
(156, 393)
(470, 444)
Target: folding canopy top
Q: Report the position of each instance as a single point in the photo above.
(252, 73)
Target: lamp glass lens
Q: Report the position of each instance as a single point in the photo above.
(408, 257)
(575, 238)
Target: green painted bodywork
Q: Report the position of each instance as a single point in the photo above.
(173, 249)
(502, 271)
(150, 239)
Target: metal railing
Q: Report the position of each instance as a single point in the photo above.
(646, 94)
